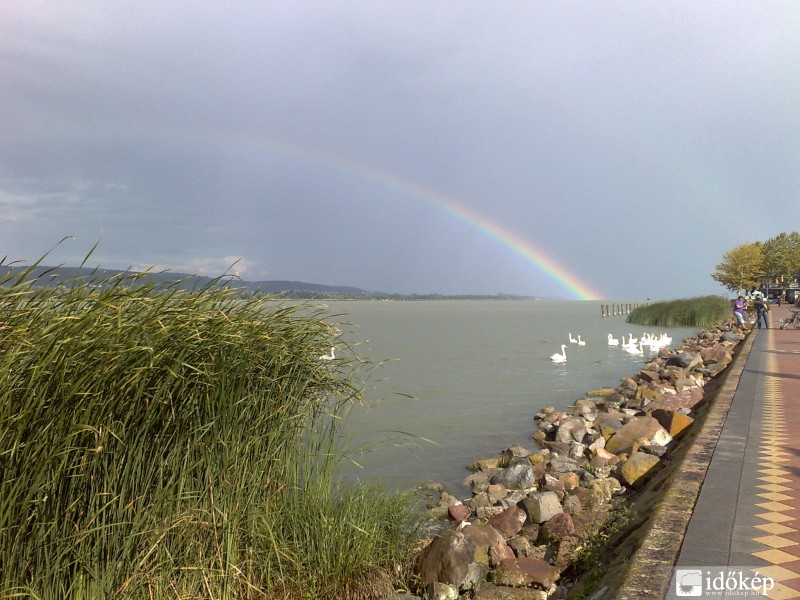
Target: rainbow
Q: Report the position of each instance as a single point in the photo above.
(556, 272)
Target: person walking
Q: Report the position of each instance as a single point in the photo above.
(761, 307)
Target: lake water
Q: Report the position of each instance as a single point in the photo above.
(461, 380)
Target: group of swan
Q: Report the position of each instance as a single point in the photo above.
(636, 346)
(560, 357)
(632, 345)
(579, 341)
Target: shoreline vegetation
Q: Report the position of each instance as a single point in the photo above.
(159, 442)
(162, 443)
(703, 311)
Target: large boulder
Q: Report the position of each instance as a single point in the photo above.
(671, 420)
(637, 466)
(519, 572)
(542, 506)
(489, 591)
(557, 528)
(446, 559)
(687, 399)
(572, 429)
(441, 591)
(645, 431)
(519, 476)
(681, 359)
(509, 523)
(483, 537)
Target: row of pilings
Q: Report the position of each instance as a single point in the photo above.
(612, 310)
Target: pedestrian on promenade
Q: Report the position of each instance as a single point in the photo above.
(738, 310)
(761, 307)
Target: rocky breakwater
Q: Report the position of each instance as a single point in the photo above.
(538, 517)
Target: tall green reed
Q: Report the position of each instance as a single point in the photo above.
(159, 443)
(702, 311)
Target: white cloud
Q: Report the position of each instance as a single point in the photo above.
(212, 267)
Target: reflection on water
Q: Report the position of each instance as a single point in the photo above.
(461, 380)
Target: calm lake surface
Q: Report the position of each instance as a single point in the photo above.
(461, 380)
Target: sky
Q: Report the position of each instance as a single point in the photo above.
(611, 150)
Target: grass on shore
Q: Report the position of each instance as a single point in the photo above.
(702, 311)
(156, 443)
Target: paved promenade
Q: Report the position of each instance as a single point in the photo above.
(748, 510)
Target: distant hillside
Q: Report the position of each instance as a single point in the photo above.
(61, 275)
(44, 275)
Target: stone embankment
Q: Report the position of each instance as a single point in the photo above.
(541, 523)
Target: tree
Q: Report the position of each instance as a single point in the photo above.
(741, 268)
(782, 257)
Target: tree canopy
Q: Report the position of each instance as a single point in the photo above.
(782, 257)
(741, 268)
(775, 261)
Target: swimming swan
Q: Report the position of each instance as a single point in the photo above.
(580, 341)
(572, 340)
(612, 341)
(634, 349)
(330, 356)
(562, 357)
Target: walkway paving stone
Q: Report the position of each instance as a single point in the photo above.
(748, 511)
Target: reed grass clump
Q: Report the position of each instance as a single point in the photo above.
(156, 443)
(702, 311)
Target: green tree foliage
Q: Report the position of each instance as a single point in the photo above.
(782, 257)
(741, 268)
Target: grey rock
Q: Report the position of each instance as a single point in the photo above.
(542, 506)
(516, 477)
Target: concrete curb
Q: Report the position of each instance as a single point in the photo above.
(650, 568)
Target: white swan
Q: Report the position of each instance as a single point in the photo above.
(612, 341)
(330, 356)
(580, 341)
(651, 341)
(562, 357)
(634, 349)
(633, 340)
(572, 340)
(631, 343)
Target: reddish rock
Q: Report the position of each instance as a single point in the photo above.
(509, 523)
(557, 528)
(688, 398)
(566, 552)
(649, 376)
(499, 552)
(458, 512)
(560, 448)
